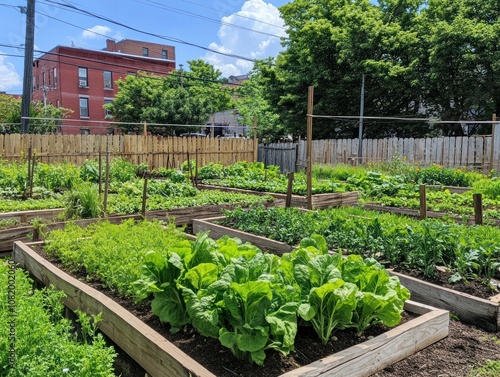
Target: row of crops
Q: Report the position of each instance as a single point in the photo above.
(249, 300)
(252, 302)
(35, 338)
(398, 242)
(394, 184)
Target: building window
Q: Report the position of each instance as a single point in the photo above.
(107, 113)
(84, 131)
(34, 83)
(84, 107)
(145, 51)
(43, 80)
(108, 82)
(49, 79)
(164, 54)
(83, 77)
(55, 77)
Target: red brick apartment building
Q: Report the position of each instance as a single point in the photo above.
(84, 80)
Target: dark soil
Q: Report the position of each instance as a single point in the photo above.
(473, 287)
(465, 348)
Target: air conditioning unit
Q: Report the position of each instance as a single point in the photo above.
(82, 83)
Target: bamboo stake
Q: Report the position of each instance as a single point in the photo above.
(289, 190)
(29, 168)
(423, 202)
(310, 105)
(255, 140)
(100, 171)
(106, 183)
(32, 175)
(478, 209)
(492, 156)
(144, 198)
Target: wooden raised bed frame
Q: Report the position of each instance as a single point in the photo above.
(24, 233)
(470, 309)
(333, 199)
(161, 358)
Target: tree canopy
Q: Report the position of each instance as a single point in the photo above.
(420, 59)
(182, 98)
(10, 116)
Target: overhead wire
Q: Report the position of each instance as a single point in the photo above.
(202, 17)
(172, 39)
(236, 15)
(178, 75)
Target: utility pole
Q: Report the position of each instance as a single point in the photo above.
(28, 65)
(361, 113)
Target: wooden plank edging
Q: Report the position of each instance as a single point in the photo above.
(325, 200)
(182, 216)
(480, 312)
(159, 357)
(151, 350)
(470, 309)
(364, 359)
(217, 231)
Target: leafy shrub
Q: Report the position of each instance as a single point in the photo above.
(56, 177)
(83, 202)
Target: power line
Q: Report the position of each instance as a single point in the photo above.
(109, 64)
(429, 120)
(177, 40)
(127, 123)
(199, 16)
(237, 15)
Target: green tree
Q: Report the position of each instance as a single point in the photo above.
(252, 102)
(10, 113)
(182, 98)
(331, 44)
(462, 66)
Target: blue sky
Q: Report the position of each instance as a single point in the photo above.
(246, 28)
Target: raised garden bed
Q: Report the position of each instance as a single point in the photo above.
(182, 216)
(415, 213)
(470, 309)
(159, 357)
(333, 199)
(484, 313)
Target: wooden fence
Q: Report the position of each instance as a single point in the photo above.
(283, 155)
(479, 152)
(472, 151)
(155, 151)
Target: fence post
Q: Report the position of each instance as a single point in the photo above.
(255, 141)
(310, 106)
(493, 144)
(478, 209)
(106, 183)
(145, 129)
(288, 201)
(144, 197)
(423, 202)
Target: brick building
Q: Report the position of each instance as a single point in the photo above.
(84, 80)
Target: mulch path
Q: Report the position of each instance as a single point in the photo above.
(465, 348)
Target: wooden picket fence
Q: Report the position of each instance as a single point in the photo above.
(471, 151)
(169, 152)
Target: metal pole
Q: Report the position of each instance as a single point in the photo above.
(361, 113)
(28, 65)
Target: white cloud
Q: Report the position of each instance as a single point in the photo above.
(97, 31)
(9, 78)
(257, 44)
